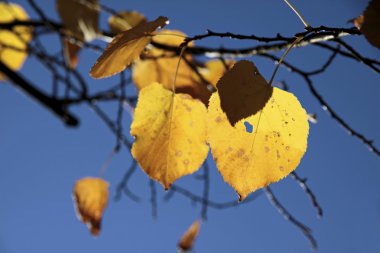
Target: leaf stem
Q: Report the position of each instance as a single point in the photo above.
(298, 14)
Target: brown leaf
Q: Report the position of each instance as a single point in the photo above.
(371, 23)
(243, 91)
(90, 198)
(125, 20)
(187, 240)
(125, 48)
(71, 51)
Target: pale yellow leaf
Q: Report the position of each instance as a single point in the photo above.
(90, 198)
(187, 240)
(125, 20)
(170, 134)
(125, 48)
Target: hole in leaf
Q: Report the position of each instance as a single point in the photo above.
(248, 127)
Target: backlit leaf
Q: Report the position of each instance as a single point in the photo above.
(13, 43)
(90, 198)
(125, 48)
(125, 20)
(170, 132)
(187, 240)
(160, 66)
(262, 148)
(242, 91)
(369, 23)
(80, 18)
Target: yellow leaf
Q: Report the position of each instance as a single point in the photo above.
(13, 43)
(371, 22)
(125, 20)
(215, 69)
(186, 242)
(125, 48)
(80, 18)
(243, 91)
(262, 148)
(71, 51)
(90, 198)
(160, 66)
(170, 132)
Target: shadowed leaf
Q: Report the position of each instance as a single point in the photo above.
(187, 240)
(125, 20)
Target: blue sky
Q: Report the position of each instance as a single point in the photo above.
(41, 159)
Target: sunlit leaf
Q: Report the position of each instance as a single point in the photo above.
(125, 20)
(80, 18)
(90, 198)
(170, 132)
(160, 66)
(187, 240)
(125, 48)
(242, 91)
(369, 23)
(215, 69)
(71, 51)
(13, 43)
(262, 148)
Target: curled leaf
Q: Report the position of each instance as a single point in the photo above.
(261, 148)
(90, 198)
(13, 43)
(187, 240)
(243, 91)
(170, 134)
(125, 20)
(125, 48)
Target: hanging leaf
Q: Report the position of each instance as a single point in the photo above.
(125, 20)
(160, 66)
(170, 134)
(243, 91)
(80, 18)
(90, 198)
(13, 43)
(261, 148)
(369, 23)
(215, 69)
(125, 48)
(71, 51)
(187, 241)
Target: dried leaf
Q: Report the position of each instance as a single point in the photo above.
(71, 51)
(160, 66)
(170, 134)
(125, 20)
(215, 69)
(125, 48)
(80, 18)
(13, 43)
(187, 240)
(243, 91)
(261, 148)
(370, 23)
(90, 198)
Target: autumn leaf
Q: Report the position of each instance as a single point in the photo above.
(90, 198)
(369, 23)
(125, 48)
(170, 134)
(80, 18)
(187, 240)
(243, 91)
(160, 66)
(13, 43)
(215, 69)
(125, 20)
(261, 148)
(71, 51)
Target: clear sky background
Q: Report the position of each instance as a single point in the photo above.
(40, 159)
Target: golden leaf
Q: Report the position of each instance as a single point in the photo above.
(13, 43)
(71, 51)
(80, 18)
(170, 132)
(90, 198)
(242, 91)
(261, 148)
(371, 23)
(160, 66)
(125, 20)
(215, 69)
(187, 240)
(125, 48)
